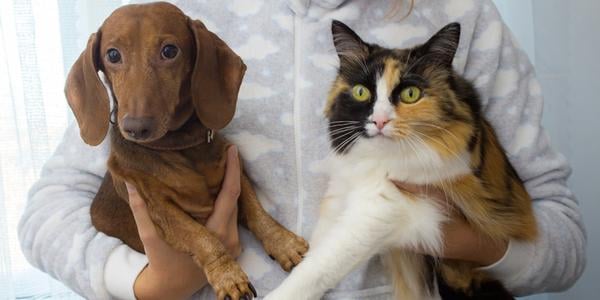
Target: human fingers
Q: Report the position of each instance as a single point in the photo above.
(226, 201)
(139, 209)
(154, 245)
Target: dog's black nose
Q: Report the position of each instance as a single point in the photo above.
(138, 128)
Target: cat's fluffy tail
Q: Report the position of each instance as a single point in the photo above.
(413, 275)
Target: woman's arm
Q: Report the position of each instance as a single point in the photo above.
(55, 230)
(57, 236)
(513, 104)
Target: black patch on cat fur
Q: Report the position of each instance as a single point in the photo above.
(479, 168)
(430, 273)
(488, 290)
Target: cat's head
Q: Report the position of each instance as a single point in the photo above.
(405, 95)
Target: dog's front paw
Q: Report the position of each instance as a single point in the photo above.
(229, 280)
(285, 247)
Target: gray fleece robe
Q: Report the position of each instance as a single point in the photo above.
(281, 133)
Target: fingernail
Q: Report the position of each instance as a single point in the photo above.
(234, 149)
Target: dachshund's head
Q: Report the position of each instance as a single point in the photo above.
(160, 67)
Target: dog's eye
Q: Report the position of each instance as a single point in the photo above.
(113, 55)
(169, 52)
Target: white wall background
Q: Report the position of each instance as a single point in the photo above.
(563, 40)
(568, 64)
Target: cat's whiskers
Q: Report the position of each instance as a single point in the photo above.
(342, 130)
(352, 137)
(436, 127)
(442, 143)
(452, 152)
(408, 59)
(342, 125)
(341, 133)
(340, 146)
(423, 163)
(413, 141)
(352, 142)
(343, 121)
(340, 136)
(355, 58)
(410, 143)
(441, 181)
(349, 140)
(414, 64)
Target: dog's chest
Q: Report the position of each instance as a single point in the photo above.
(189, 178)
(198, 191)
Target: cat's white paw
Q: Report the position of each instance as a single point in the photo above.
(278, 294)
(282, 293)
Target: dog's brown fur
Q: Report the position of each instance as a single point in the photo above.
(178, 170)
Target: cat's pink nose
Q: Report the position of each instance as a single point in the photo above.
(380, 122)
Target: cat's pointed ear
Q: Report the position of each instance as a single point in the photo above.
(348, 45)
(442, 45)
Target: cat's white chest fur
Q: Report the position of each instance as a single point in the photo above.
(361, 182)
(396, 160)
(364, 214)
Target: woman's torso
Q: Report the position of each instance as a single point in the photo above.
(279, 125)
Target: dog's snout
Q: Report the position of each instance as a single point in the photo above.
(138, 128)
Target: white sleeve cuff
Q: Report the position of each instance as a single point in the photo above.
(515, 260)
(121, 270)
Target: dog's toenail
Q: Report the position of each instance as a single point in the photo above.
(252, 289)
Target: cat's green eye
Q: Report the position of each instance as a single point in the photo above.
(410, 94)
(361, 93)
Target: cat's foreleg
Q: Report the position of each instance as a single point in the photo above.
(358, 234)
(329, 211)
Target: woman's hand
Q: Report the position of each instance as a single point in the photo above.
(460, 240)
(171, 274)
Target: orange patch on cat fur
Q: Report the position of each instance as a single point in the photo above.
(391, 73)
(338, 87)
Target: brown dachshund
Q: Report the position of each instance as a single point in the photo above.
(160, 68)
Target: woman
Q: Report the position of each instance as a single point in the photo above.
(280, 130)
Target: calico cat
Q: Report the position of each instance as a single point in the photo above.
(405, 114)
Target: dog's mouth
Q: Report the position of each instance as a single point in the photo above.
(141, 137)
(154, 129)
(143, 130)
(191, 133)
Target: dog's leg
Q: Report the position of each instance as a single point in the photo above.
(183, 233)
(281, 244)
(111, 214)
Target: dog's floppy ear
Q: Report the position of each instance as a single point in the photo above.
(87, 95)
(216, 78)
